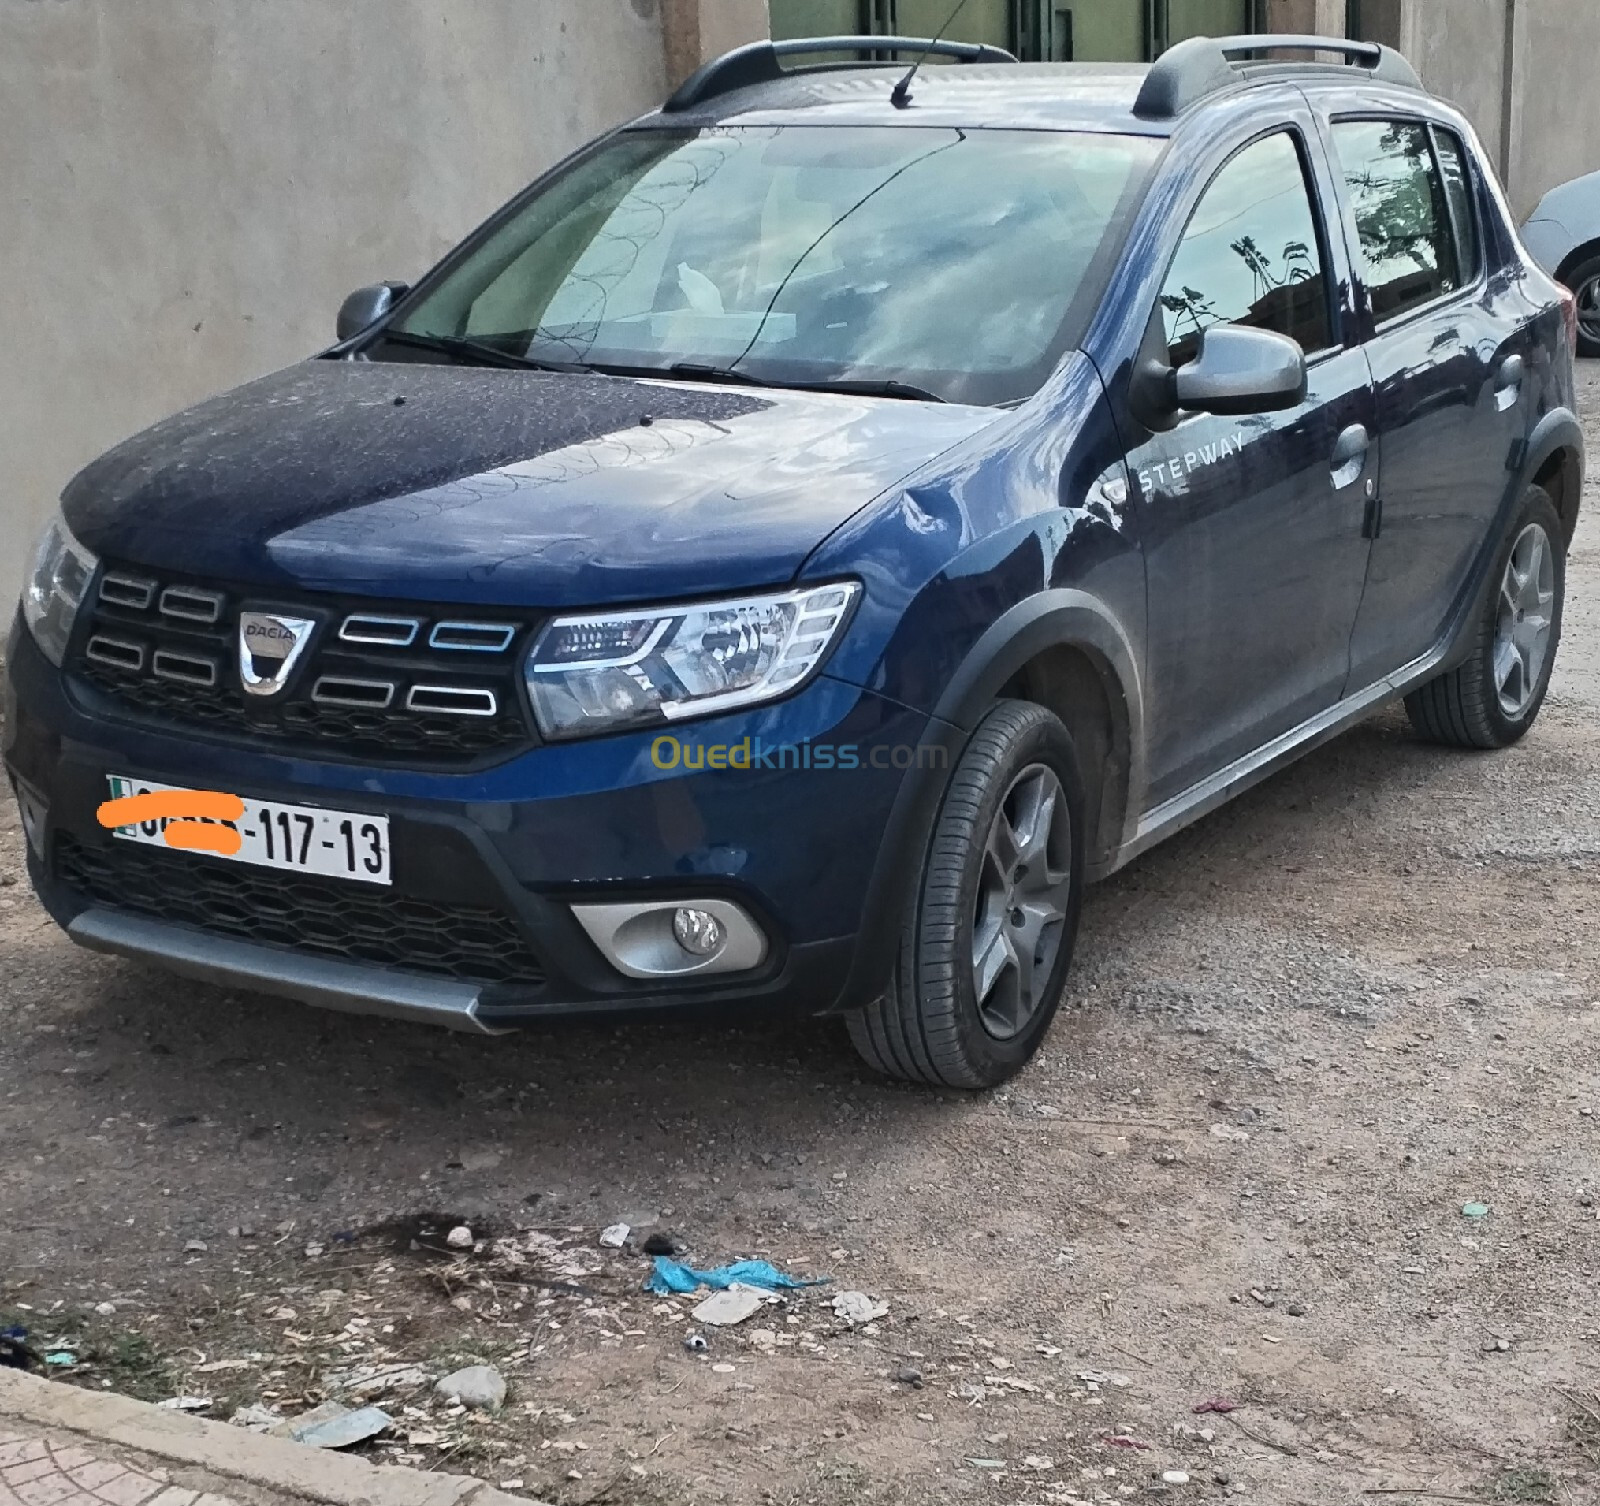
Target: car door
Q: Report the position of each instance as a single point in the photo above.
(1255, 555)
(1452, 376)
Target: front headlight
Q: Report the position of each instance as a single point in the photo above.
(52, 594)
(611, 670)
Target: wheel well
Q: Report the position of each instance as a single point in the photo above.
(1082, 689)
(1575, 259)
(1559, 475)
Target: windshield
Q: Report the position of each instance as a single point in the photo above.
(960, 262)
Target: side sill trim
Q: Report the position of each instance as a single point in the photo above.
(325, 982)
(1217, 789)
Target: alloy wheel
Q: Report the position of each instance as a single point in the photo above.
(1588, 297)
(1526, 616)
(1024, 893)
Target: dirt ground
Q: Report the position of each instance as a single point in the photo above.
(1301, 1037)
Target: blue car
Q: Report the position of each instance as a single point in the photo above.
(803, 540)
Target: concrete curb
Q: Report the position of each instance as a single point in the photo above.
(274, 1463)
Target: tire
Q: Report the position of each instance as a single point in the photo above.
(1493, 697)
(932, 1026)
(1584, 280)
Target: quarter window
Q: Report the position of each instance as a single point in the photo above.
(1402, 216)
(1250, 255)
(1458, 190)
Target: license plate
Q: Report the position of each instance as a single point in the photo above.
(294, 838)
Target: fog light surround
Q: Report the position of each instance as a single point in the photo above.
(675, 938)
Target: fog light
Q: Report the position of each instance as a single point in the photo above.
(698, 933)
(669, 939)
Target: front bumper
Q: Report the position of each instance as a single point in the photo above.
(807, 851)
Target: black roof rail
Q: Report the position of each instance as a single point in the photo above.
(759, 62)
(1188, 72)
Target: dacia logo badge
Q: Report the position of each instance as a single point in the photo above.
(269, 648)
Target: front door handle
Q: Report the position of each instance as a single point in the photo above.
(1508, 383)
(1350, 456)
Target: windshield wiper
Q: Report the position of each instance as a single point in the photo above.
(463, 349)
(693, 371)
(869, 388)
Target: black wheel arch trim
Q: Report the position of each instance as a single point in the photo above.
(1558, 430)
(1060, 618)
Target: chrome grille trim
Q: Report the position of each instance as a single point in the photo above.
(385, 632)
(120, 590)
(191, 604)
(452, 700)
(117, 653)
(189, 669)
(472, 637)
(361, 695)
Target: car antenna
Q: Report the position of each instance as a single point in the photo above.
(900, 96)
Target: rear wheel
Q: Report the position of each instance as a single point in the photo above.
(984, 956)
(1494, 696)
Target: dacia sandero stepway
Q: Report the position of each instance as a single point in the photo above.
(805, 538)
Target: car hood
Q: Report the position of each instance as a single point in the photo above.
(503, 487)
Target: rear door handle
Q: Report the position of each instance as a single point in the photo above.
(1508, 383)
(1350, 456)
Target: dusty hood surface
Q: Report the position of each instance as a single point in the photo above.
(500, 486)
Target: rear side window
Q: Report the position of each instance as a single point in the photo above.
(1463, 204)
(1250, 255)
(1402, 216)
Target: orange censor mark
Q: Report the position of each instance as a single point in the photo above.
(194, 820)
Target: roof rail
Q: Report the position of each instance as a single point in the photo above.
(759, 62)
(1187, 73)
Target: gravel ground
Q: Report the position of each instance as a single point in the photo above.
(1301, 1037)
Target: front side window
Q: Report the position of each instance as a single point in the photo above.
(1401, 214)
(962, 262)
(1250, 255)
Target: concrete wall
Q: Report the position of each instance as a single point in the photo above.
(1320, 18)
(1554, 130)
(188, 188)
(698, 30)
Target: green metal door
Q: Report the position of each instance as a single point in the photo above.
(1097, 31)
(815, 18)
(1207, 18)
(980, 21)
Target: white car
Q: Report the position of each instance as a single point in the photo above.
(1563, 234)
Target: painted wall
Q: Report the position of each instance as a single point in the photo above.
(192, 186)
(1554, 130)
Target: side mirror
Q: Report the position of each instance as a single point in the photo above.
(1239, 370)
(364, 307)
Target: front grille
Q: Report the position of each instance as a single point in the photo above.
(300, 912)
(379, 682)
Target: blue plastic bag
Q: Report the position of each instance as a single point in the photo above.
(672, 1276)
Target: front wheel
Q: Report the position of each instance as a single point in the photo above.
(984, 956)
(1493, 697)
